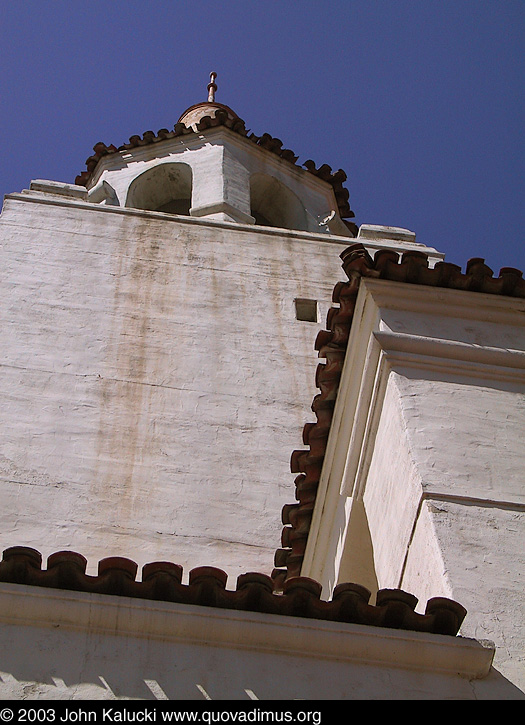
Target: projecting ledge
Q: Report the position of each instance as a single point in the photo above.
(377, 231)
(225, 210)
(486, 360)
(239, 630)
(72, 191)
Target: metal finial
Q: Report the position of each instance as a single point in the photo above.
(212, 87)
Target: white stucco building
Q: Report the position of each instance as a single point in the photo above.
(158, 320)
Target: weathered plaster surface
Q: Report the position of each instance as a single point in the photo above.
(392, 494)
(155, 380)
(479, 423)
(482, 554)
(465, 441)
(476, 508)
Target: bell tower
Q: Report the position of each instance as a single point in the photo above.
(159, 332)
(209, 167)
(162, 321)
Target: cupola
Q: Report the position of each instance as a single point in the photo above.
(193, 116)
(208, 165)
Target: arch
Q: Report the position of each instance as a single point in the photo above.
(166, 187)
(273, 204)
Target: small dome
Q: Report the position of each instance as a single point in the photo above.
(194, 114)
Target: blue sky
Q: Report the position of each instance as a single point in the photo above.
(420, 102)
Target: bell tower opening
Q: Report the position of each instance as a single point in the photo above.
(166, 187)
(273, 204)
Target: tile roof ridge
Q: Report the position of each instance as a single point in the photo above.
(413, 267)
(254, 592)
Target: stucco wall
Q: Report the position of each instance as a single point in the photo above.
(155, 381)
(467, 443)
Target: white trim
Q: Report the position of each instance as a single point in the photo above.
(58, 187)
(38, 198)
(445, 301)
(459, 358)
(359, 353)
(35, 198)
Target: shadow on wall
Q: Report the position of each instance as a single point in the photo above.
(357, 564)
(167, 188)
(56, 663)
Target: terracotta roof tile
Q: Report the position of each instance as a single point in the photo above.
(411, 268)
(237, 125)
(162, 581)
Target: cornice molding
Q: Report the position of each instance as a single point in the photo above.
(194, 625)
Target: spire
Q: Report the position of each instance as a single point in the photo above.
(212, 87)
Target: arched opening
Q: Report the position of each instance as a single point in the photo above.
(166, 187)
(274, 205)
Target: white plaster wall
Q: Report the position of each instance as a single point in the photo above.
(236, 182)
(424, 570)
(120, 170)
(467, 443)
(466, 435)
(443, 501)
(154, 382)
(482, 553)
(393, 492)
(439, 463)
(498, 328)
(42, 664)
(208, 178)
